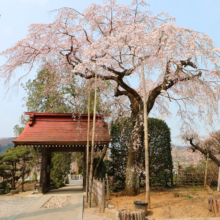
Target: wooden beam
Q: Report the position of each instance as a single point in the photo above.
(67, 149)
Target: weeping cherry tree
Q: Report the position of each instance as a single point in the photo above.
(180, 65)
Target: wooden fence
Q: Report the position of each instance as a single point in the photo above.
(188, 179)
(183, 178)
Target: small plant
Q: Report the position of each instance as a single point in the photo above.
(176, 194)
(189, 196)
(112, 189)
(143, 190)
(7, 191)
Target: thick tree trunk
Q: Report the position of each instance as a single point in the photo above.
(133, 162)
(132, 177)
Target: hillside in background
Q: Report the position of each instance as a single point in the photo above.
(5, 143)
(178, 147)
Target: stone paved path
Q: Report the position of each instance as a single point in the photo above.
(73, 210)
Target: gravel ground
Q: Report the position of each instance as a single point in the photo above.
(57, 202)
(11, 205)
(93, 214)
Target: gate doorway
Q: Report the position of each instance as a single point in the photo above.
(61, 132)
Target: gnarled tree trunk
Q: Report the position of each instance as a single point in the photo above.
(133, 165)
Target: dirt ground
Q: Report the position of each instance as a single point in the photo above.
(28, 188)
(93, 214)
(171, 203)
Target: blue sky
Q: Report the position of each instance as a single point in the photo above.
(16, 15)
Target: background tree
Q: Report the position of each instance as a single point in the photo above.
(38, 100)
(78, 157)
(119, 39)
(121, 132)
(60, 167)
(160, 157)
(24, 155)
(5, 172)
(44, 96)
(16, 163)
(208, 145)
(9, 162)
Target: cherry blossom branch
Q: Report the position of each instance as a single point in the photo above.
(167, 84)
(64, 8)
(203, 151)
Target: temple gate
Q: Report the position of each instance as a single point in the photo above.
(61, 132)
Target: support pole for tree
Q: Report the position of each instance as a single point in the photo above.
(218, 188)
(206, 169)
(93, 139)
(87, 148)
(146, 140)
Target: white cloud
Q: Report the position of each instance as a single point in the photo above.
(40, 2)
(7, 31)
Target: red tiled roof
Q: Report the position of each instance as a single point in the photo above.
(62, 129)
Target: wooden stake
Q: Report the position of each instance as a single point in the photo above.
(218, 188)
(87, 148)
(108, 190)
(93, 139)
(206, 169)
(146, 140)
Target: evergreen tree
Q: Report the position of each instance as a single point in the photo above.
(60, 167)
(25, 157)
(159, 150)
(160, 157)
(9, 161)
(121, 133)
(15, 163)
